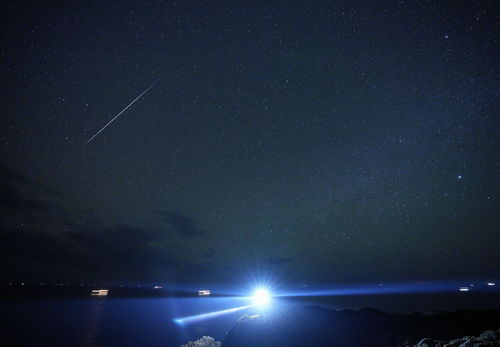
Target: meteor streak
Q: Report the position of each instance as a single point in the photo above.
(126, 108)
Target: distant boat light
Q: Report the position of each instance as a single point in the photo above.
(491, 284)
(463, 289)
(100, 292)
(158, 287)
(204, 292)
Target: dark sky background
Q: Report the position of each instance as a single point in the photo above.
(312, 142)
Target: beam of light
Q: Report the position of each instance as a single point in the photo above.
(198, 317)
(126, 108)
(379, 289)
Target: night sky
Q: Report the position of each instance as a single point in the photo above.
(307, 142)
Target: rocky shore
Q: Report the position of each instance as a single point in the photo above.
(319, 326)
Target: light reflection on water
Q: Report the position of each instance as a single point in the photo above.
(94, 326)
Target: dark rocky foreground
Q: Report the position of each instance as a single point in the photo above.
(318, 326)
(487, 338)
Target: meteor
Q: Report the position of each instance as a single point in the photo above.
(126, 108)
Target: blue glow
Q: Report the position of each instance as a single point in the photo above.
(198, 317)
(262, 296)
(381, 288)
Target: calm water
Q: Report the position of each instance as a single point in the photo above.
(148, 321)
(108, 321)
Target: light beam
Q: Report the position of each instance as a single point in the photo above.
(198, 317)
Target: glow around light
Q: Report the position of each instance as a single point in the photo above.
(261, 297)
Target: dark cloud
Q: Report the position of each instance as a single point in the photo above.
(20, 242)
(210, 253)
(13, 199)
(131, 245)
(30, 201)
(114, 251)
(11, 177)
(181, 224)
(376, 261)
(48, 235)
(278, 261)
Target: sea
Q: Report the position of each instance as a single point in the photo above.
(151, 321)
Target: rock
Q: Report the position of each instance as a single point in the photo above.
(454, 343)
(487, 338)
(427, 342)
(205, 341)
(489, 335)
(320, 326)
(247, 317)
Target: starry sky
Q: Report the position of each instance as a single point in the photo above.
(308, 141)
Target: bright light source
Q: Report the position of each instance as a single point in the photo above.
(261, 297)
(491, 284)
(463, 289)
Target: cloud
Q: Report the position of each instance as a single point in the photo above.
(36, 230)
(40, 237)
(276, 261)
(21, 242)
(181, 224)
(12, 198)
(375, 261)
(28, 200)
(209, 253)
(12, 177)
(127, 245)
(119, 252)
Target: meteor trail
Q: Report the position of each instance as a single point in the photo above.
(118, 115)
